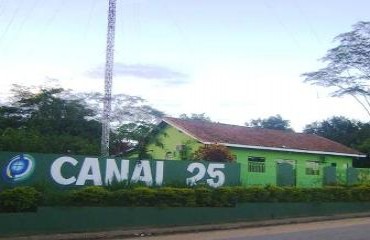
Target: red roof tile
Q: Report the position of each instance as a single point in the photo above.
(210, 132)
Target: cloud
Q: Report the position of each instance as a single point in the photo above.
(145, 71)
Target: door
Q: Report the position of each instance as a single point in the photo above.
(330, 175)
(285, 173)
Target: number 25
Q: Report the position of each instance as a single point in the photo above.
(213, 171)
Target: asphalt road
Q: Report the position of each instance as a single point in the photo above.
(347, 229)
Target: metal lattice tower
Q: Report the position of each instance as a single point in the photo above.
(107, 101)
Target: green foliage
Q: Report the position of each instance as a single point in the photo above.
(47, 121)
(337, 128)
(196, 116)
(351, 133)
(203, 196)
(53, 120)
(223, 197)
(361, 193)
(92, 196)
(21, 199)
(143, 196)
(133, 137)
(213, 153)
(273, 122)
(23, 140)
(175, 197)
(252, 194)
(28, 199)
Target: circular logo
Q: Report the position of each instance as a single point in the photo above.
(19, 168)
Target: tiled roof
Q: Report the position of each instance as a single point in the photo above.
(240, 136)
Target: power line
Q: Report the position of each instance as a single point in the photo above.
(2, 36)
(29, 13)
(2, 8)
(282, 24)
(92, 8)
(52, 17)
(311, 28)
(178, 27)
(42, 32)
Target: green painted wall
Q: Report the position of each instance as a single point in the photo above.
(88, 219)
(300, 159)
(63, 172)
(169, 138)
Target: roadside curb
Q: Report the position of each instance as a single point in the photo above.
(149, 231)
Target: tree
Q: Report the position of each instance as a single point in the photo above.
(44, 121)
(133, 137)
(48, 111)
(351, 133)
(49, 115)
(213, 153)
(273, 122)
(348, 66)
(196, 116)
(338, 128)
(131, 122)
(125, 108)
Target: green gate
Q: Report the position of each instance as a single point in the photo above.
(352, 176)
(330, 175)
(285, 174)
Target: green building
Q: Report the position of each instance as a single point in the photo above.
(267, 157)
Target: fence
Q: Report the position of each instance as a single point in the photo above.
(65, 171)
(61, 171)
(83, 219)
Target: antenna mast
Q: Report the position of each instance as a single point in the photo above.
(107, 101)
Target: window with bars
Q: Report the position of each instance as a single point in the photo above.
(168, 156)
(312, 168)
(256, 164)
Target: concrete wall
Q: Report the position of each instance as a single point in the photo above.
(79, 219)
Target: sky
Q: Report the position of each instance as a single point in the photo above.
(234, 60)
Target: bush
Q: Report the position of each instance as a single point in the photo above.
(142, 196)
(360, 193)
(90, 196)
(252, 194)
(22, 199)
(203, 197)
(224, 197)
(213, 153)
(19, 199)
(175, 197)
(339, 194)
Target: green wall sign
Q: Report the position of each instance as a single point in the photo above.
(65, 170)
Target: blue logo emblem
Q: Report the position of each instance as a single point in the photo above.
(19, 168)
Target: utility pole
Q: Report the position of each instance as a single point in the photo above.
(107, 101)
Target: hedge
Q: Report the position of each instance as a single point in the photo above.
(21, 199)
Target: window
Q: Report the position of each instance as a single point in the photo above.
(312, 168)
(256, 164)
(168, 156)
(180, 148)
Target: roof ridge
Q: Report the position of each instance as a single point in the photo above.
(235, 125)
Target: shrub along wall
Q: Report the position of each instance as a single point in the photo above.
(23, 199)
